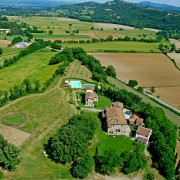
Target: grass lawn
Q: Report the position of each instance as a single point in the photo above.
(45, 115)
(103, 102)
(33, 66)
(13, 120)
(118, 46)
(108, 142)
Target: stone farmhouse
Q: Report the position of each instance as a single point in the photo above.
(143, 135)
(90, 98)
(116, 121)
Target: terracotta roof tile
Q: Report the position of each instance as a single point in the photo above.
(118, 104)
(139, 120)
(115, 116)
(90, 95)
(134, 116)
(142, 140)
(144, 131)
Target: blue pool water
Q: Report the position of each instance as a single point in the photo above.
(76, 84)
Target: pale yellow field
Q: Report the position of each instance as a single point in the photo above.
(148, 69)
(169, 95)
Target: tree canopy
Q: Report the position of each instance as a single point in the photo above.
(8, 155)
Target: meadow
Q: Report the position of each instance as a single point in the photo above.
(8, 53)
(34, 66)
(149, 70)
(116, 46)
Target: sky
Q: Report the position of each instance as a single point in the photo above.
(170, 2)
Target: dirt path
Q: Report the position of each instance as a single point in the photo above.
(57, 86)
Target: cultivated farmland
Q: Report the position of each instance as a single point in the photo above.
(65, 29)
(148, 69)
(176, 57)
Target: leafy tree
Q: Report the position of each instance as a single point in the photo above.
(149, 176)
(134, 160)
(71, 141)
(82, 167)
(140, 89)
(173, 47)
(106, 163)
(28, 85)
(133, 83)
(16, 40)
(8, 155)
(50, 32)
(152, 89)
(1, 51)
(37, 85)
(110, 71)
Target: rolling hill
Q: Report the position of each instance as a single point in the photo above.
(165, 7)
(120, 12)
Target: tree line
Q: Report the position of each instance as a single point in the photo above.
(110, 39)
(30, 49)
(8, 155)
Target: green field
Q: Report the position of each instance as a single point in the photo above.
(45, 115)
(8, 53)
(109, 142)
(57, 36)
(34, 66)
(13, 120)
(103, 102)
(116, 46)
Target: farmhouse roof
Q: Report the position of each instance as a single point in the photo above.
(144, 131)
(118, 104)
(115, 116)
(142, 140)
(134, 116)
(91, 95)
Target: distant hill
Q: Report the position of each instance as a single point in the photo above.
(34, 3)
(120, 12)
(158, 6)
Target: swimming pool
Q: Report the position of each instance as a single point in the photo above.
(76, 84)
